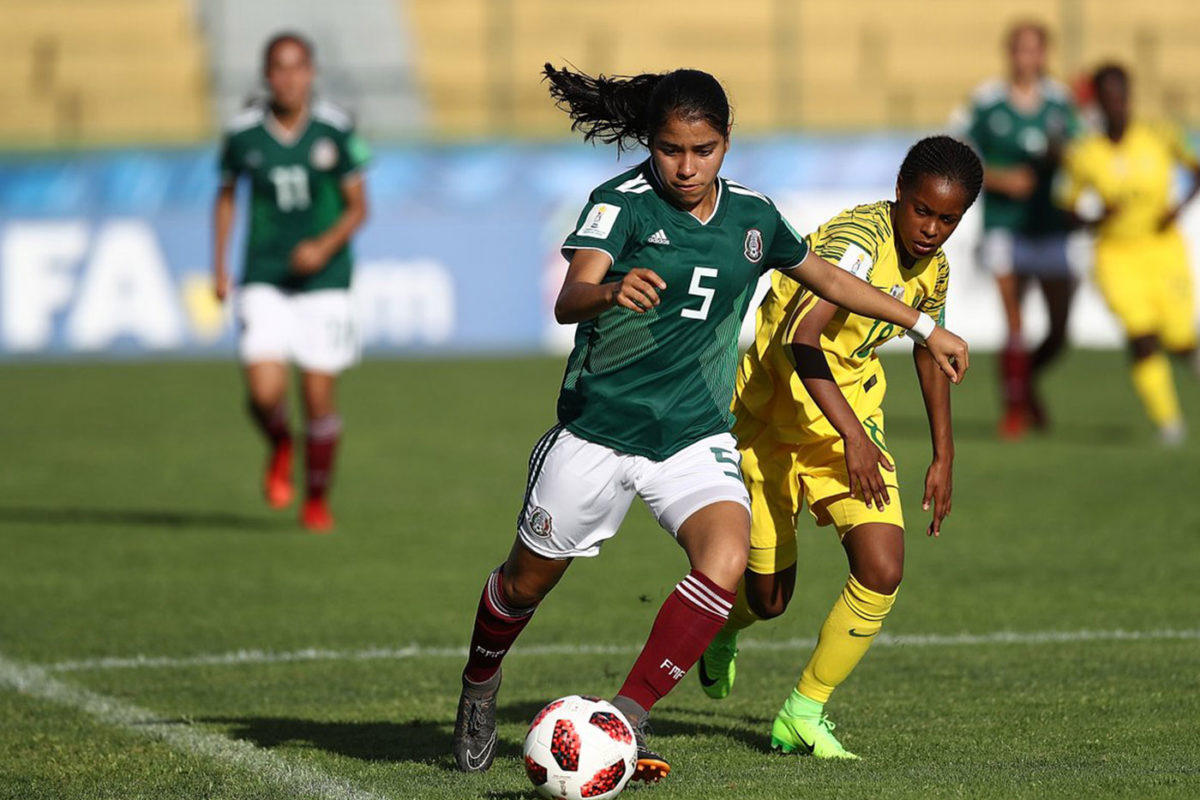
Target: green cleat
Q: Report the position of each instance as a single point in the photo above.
(718, 667)
(807, 735)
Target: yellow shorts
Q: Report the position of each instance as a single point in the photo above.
(1148, 285)
(782, 476)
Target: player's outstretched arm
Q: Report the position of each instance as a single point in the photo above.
(863, 458)
(583, 296)
(223, 211)
(939, 478)
(843, 289)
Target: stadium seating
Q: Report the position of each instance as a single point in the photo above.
(83, 72)
(808, 64)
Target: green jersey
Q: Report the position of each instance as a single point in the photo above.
(651, 384)
(1008, 137)
(295, 189)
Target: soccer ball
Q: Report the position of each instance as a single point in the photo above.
(580, 747)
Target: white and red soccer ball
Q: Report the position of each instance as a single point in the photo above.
(580, 748)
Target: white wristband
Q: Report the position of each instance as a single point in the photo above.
(923, 328)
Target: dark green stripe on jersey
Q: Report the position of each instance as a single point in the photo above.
(651, 384)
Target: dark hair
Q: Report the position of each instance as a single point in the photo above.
(283, 38)
(1110, 70)
(943, 157)
(629, 109)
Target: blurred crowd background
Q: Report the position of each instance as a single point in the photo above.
(112, 109)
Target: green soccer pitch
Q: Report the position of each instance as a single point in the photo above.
(164, 635)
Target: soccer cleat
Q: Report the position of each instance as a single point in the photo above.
(651, 767)
(1014, 424)
(316, 516)
(718, 668)
(475, 725)
(277, 483)
(1173, 434)
(806, 735)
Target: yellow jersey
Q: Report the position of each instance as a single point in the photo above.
(861, 241)
(1132, 176)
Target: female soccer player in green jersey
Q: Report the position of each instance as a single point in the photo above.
(663, 264)
(303, 162)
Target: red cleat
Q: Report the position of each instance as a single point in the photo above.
(1014, 424)
(316, 516)
(277, 483)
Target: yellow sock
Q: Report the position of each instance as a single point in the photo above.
(1155, 385)
(847, 633)
(741, 616)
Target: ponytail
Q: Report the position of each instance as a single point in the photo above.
(629, 110)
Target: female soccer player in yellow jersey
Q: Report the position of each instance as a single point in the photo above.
(1141, 260)
(810, 429)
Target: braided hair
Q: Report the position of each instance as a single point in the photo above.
(628, 110)
(1110, 70)
(943, 157)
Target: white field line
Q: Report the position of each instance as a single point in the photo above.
(417, 651)
(294, 778)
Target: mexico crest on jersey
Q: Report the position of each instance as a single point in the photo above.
(323, 155)
(754, 247)
(540, 522)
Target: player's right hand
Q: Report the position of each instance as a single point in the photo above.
(221, 286)
(638, 290)
(1019, 182)
(950, 353)
(863, 462)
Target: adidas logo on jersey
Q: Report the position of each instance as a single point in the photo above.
(658, 238)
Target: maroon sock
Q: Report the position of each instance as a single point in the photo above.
(685, 625)
(273, 422)
(497, 626)
(1014, 374)
(323, 435)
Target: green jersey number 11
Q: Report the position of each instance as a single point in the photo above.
(291, 187)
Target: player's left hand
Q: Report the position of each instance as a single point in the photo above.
(308, 257)
(939, 486)
(950, 353)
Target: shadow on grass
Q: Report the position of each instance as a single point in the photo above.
(141, 517)
(430, 741)
(417, 741)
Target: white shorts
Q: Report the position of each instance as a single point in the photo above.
(579, 491)
(1003, 252)
(315, 330)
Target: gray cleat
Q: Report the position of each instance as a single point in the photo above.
(475, 725)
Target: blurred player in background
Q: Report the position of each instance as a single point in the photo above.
(1020, 126)
(810, 430)
(1141, 258)
(663, 265)
(307, 197)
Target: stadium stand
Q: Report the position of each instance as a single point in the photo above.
(363, 56)
(809, 64)
(102, 71)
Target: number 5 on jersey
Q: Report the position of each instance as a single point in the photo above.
(706, 292)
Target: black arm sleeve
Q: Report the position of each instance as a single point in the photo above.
(810, 362)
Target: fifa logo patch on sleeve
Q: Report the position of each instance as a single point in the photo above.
(599, 222)
(754, 246)
(856, 261)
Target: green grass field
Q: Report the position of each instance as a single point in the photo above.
(131, 525)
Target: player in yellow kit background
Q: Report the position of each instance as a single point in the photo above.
(1141, 263)
(810, 430)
